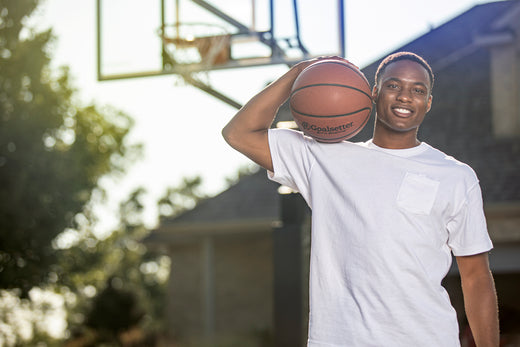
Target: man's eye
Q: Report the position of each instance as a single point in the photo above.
(392, 86)
(419, 91)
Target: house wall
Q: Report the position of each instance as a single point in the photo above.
(221, 290)
(244, 285)
(505, 83)
(185, 305)
(505, 77)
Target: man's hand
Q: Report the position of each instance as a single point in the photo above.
(247, 130)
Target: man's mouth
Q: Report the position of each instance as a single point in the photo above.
(402, 112)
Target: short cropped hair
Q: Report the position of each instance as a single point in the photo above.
(392, 58)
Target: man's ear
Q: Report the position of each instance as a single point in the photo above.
(429, 106)
(374, 94)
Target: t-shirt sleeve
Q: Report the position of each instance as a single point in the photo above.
(292, 162)
(468, 233)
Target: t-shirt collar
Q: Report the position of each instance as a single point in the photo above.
(406, 152)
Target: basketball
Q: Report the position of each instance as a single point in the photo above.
(331, 100)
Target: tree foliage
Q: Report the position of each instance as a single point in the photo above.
(120, 264)
(52, 151)
(52, 154)
(181, 198)
(120, 284)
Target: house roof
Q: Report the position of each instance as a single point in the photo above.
(450, 41)
(254, 197)
(252, 204)
(455, 124)
(459, 122)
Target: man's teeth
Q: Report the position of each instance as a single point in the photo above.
(403, 110)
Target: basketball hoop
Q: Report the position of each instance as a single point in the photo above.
(202, 44)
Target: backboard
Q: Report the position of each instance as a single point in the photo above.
(139, 38)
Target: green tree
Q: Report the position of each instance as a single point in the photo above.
(182, 198)
(119, 283)
(52, 151)
(52, 154)
(120, 270)
(244, 170)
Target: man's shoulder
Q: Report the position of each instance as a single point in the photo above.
(286, 133)
(286, 136)
(450, 162)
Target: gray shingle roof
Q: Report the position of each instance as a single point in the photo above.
(253, 197)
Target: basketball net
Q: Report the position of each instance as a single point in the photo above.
(200, 44)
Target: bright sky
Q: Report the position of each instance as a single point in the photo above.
(180, 125)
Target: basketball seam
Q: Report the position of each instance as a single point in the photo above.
(330, 116)
(347, 65)
(331, 85)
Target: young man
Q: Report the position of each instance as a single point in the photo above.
(386, 216)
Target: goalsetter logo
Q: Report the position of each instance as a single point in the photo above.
(326, 129)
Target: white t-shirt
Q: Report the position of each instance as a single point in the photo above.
(384, 224)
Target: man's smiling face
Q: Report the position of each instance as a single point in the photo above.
(402, 96)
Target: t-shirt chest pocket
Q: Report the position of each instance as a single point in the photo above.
(417, 193)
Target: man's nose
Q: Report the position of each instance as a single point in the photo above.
(404, 95)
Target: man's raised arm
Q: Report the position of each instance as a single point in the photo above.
(247, 130)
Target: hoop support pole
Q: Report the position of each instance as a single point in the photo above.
(206, 88)
(222, 15)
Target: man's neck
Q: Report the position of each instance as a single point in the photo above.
(396, 141)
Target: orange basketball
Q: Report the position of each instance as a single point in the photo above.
(331, 100)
